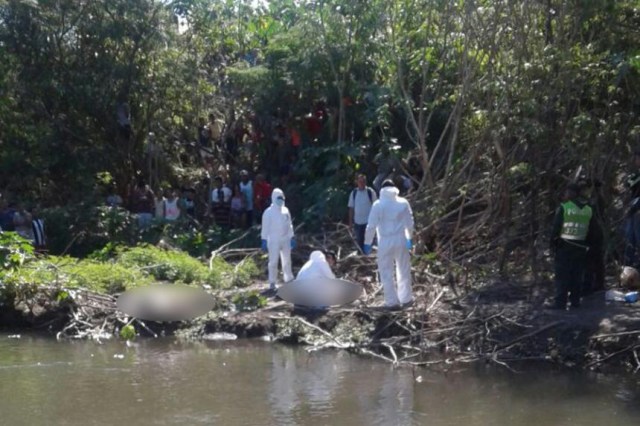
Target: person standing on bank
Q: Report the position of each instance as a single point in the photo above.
(391, 219)
(571, 234)
(261, 195)
(360, 201)
(277, 238)
(246, 187)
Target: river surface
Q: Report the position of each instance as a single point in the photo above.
(168, 382)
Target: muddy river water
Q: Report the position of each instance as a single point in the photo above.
(168, 382)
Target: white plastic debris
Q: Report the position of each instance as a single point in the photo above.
(219, 336)
(614, 296)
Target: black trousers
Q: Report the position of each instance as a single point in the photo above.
(594, 271)
(249, 218)
(359, 231)
(570, 266)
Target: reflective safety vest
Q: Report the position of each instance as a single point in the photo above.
(575, 225)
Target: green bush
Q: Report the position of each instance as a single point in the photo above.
(178, 266)
(199, 241)
(166, 265)
(83, 228)
(69, 272)
(14, 250)
(249, 301)
(115, 269)
(333, 169)
(104, 277)
(39, 272)
(128, 332)
(243, 273)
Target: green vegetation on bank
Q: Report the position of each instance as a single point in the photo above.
(122, 269)
(69, 272)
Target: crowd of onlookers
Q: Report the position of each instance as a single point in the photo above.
(271, 142)
(237, 203)
(233, 203)
(227, 195)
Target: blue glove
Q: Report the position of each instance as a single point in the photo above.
(293, 243)
(264, 245)
(367, 249)
(409, 244)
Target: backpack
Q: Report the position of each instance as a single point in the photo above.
(369, 193)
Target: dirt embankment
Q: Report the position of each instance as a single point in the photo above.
(499, 323)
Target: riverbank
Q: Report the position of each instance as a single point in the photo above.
(497, 323)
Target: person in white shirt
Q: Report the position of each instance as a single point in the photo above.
(277, 237)
(221, 203)
(220, 192)
(171, 210)
(360, 201)
(391, 219)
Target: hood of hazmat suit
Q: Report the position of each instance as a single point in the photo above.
(316, 267)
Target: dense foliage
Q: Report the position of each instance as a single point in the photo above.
(488, 105)
(127, 268)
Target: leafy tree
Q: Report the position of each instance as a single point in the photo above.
(489, 106)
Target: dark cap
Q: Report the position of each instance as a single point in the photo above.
(577, 187)
(387, 183)
(582, 181)
(574, 187)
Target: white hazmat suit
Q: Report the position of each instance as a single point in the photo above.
(316, 267)
(391, 219)
(277, 230)
(313, 272)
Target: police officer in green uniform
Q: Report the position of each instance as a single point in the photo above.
(570, 239)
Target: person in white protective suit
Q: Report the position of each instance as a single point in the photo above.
(277, 237)
(391, 219)
(318, 266)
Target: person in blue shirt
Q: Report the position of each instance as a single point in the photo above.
(246, 187)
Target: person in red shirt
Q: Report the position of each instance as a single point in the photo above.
(313, 124)
(261, 194)
(296, 140)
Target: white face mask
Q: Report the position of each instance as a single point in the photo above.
(280, 202)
